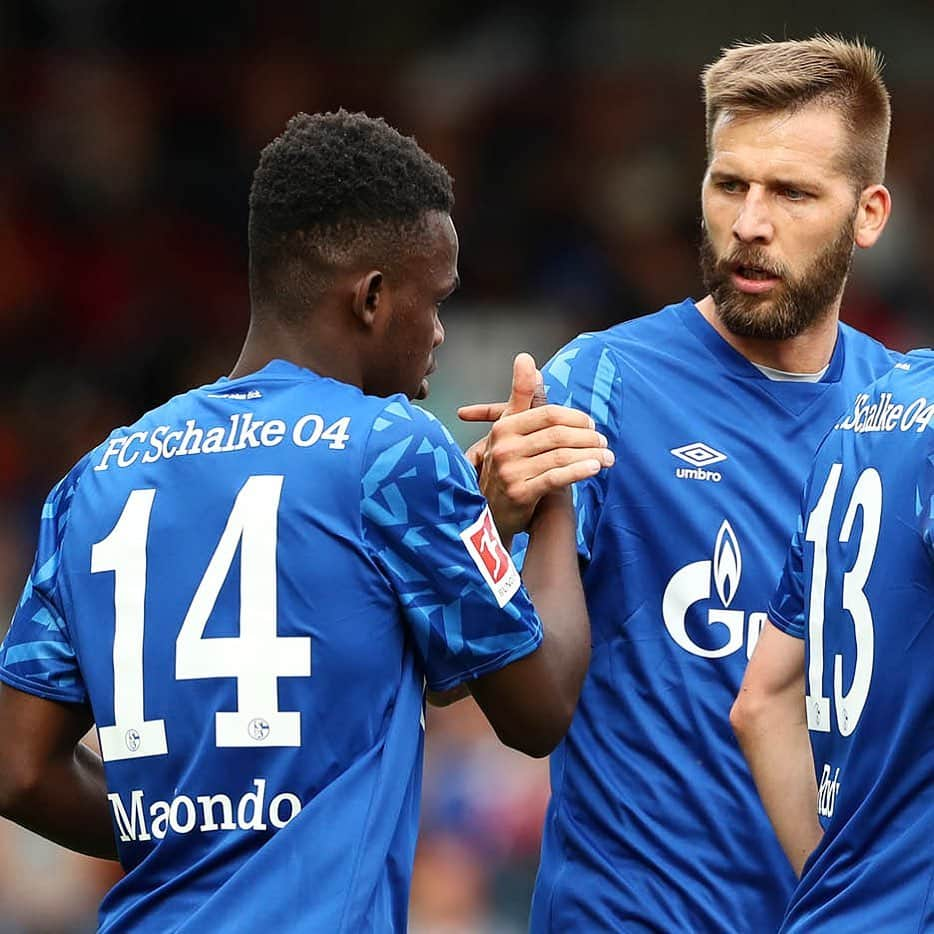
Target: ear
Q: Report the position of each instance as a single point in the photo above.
(875, 205)
(368, 293)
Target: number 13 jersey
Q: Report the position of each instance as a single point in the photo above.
(252, 586)
(858, 587)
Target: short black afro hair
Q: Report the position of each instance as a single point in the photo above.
(334, 182)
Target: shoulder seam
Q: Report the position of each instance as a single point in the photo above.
(67, 527)
(363, 460)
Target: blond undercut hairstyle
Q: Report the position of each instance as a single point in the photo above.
(770, 77)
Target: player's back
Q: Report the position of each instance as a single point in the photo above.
(867, 546)
(251, 682)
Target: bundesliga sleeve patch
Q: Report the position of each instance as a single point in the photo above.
(492, 560)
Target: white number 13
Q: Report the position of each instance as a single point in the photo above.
(257, 657)
(867, 496)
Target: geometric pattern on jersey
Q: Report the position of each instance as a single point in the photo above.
(444, 597)
(39, 657)
(358, 505)
(653, 814)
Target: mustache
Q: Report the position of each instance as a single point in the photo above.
(751, 257)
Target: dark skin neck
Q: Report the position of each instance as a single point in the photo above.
(323, 344)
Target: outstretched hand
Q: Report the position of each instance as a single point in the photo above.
(532, 449)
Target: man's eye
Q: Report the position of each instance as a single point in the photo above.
(730, 186)
(794, 194)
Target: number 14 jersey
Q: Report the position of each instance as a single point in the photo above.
(251, 586)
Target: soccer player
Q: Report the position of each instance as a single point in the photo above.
(853, 612)
(715, 409)
(248, 589)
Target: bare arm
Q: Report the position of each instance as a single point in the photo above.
(770, 722)
(50, 782)
(530, 703)
(526, 465)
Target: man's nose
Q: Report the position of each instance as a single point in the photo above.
(753, 223)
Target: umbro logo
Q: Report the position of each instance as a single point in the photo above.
(700, 456)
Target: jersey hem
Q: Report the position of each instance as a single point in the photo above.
(779, 622)
(493, 664)
(30, 687)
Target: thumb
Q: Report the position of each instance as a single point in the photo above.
(525, 381)
(540, 397)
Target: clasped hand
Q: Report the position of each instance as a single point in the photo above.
(533, 449)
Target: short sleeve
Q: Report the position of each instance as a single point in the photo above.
(37, 655)
(787, 609)
(431, 533)
(584, 375)
(924, 505)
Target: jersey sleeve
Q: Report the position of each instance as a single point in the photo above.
(787, 608)
(584, 375)
(431, 533)
(37, 655)
(924, 504)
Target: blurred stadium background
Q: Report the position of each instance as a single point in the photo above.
(128, 135)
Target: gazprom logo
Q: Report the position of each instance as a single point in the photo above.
(700, 456)
(727, 564)
(695, 583)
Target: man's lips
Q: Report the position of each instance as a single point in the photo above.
(752, 280)
(424, 386)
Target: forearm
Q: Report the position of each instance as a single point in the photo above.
(552, 576)
(531, 702)
(774, 740)
(67, 803)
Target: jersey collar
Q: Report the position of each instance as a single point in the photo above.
(733, 360)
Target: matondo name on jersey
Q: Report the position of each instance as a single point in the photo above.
(241, 431)
(205, 813)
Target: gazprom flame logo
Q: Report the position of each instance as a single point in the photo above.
(727, 564)
(692, 584)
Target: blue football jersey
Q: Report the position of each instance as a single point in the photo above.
(858, 587)
(654, 821)
(251, 586)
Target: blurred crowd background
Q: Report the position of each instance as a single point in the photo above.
(128, 136)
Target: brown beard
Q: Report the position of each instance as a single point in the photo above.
(791, 307)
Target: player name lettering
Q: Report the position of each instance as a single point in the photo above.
(241, 432)
(204, 813)
(828, 791)
(883, 414)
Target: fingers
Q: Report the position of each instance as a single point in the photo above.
(550, 438)
(539, 398)
(558, 478)
(545, 416)
(474, 453)
(565, 457)
(528, 391)
(513, 501)
(519, 477)
(525, 382)
(481, 412)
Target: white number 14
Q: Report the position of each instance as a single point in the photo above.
(257, 657)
